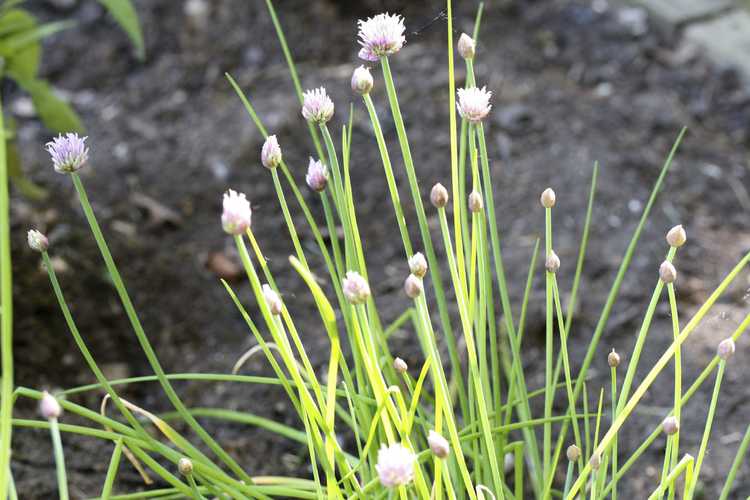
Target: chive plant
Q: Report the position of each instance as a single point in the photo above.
(458, 426)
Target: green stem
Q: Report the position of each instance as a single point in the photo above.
(114, 464)
(62, 479)
(143, 339)
(736, 464)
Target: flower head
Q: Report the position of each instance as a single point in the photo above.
(237, 215)
(613, 359)
(356, 288)
(49, 407)
(676, 237)
(413, 286)
(670, 425)
(37, 241)
(272, 299)
(69, 153)
(418, 265)
(476, 202)
(474, 103)
(667, 272)
(317, 175)
(573, 453)
(362, 81)
(548, 198)
(317, 106)
(270, 154)
(439, 196)
(185, 466)
(395, 465)
(726, 348)
(552, 263)
(380, 36)
(400, 365)
(466, 46)
(438, 445)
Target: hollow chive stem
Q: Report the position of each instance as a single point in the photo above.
(62, 478)
(143, 339)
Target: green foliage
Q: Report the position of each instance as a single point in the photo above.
(126, 16)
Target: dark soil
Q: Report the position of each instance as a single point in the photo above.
(573, 85)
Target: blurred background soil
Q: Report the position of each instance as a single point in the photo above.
(574, 83)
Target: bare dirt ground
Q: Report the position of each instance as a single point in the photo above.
(573, 84)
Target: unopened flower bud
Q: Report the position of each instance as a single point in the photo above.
(362, 81)
(476, 202)
(726, 349)
(237, 215)
(548, 198)
(49, 407)
(439, 196)
(553, 262)
(68, 153)
(185, 466)
(270, 154)
(595, 461)
(37, 241)
(413, 286)
(400, 365)
(438, 444)
(573, 453)
(466, 46)
(670, 425)
(667, 272)
(418, 265)
(613, 359)
(676, 237)
(356, 288)
(272, 299)
(317, 175)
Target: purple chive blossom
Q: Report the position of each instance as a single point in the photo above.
(69, 153)
(237, 215)
(474, 103)
(317, 106)
(317, 175)
(270, 154)
(395, 465)
(381, 36)
(356, 289)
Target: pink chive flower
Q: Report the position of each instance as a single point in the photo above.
(356, 289)
(270, 154)
(381, 36)
(395, 465)
(69, 153)
(317, 106)
(317, 175)
(237, 215)
(474, 103)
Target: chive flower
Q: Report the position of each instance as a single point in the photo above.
(439, 196)
(613, 359)
(317, 107)
(418, 265)
(356, 289)
(670, 425)
(362, 81)
(553, 262)
(438, 445)
(476, 202)
(676, 237)
(726, 349)
(381, 36)
(573, 453)
(400, 365)
(667, 272)
(317, 175)
(474, 104)
(548, 198)
(69, 153)
(185, 466)
(49, 407)
(395, 465)
(413, 286)
(270, 154)
(466, 46)
(236, 215)
(272, 299)
(37, 241)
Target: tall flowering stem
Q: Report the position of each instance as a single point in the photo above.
(6, 318)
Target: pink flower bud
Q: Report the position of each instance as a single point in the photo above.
(670, 425)
(413, 286)
(270, 154)
(667, 272)
(273, 300)
(573, 453)
(395, 465)
(37, 241)
(317, 176)
(553, 262)
(356, 288)
(726, 349)
(595, 461)
(69, 153)
(381, 36)
(439, 196)
(49, 407)
(676, 237)
(548, 198)
(476, 202)
(418, 265)
(613, 359)
(362, 81)
(185, 466)
(466, 46)
(438, 445)
(317, 106)
(400, 365)
(474, 103)
(237, 215)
